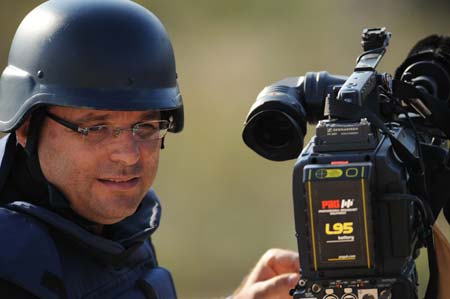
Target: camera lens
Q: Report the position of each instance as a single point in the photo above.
(276, 124)
(274, 135)
(274, 130)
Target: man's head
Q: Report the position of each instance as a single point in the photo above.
(104, 179)
(93, 64)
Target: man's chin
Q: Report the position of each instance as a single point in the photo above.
(110, 208)
(119, 212)
(112, 219)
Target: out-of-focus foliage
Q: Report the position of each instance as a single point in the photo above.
(223, 204)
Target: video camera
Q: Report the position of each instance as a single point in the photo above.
(369, 184)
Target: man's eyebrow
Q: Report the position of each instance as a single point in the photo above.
(92, 117)
(151, 115)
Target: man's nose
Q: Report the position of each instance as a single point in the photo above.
(124, 149)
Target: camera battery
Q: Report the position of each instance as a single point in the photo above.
(339, 215)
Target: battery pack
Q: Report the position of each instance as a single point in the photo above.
(339, 215)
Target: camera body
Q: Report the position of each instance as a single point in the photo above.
(357, 236)
(359, 187)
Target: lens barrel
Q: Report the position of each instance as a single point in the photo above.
(276, 124)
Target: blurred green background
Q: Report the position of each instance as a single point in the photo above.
(223, 204)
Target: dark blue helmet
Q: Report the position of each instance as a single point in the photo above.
(108, 55)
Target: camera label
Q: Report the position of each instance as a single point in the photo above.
(339, 228)
(337, 204)
(339, 213)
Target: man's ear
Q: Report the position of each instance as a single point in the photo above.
(21, 133)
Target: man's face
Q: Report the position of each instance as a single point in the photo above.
(103, 182)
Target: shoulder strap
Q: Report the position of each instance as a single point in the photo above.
(158, 284)
(28, 257)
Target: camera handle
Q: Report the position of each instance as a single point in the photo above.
(437, 111)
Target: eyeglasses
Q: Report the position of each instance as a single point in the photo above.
(143, 131)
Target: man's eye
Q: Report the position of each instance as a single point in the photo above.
(148, 126)
(97, 128)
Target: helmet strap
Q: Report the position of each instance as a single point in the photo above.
(162, 143)
(31, 147)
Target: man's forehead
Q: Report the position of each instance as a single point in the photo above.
(84, 114)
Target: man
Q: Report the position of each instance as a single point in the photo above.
(88, 95)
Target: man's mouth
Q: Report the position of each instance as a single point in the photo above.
(119, 183)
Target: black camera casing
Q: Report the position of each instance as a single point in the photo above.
(391, 224)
